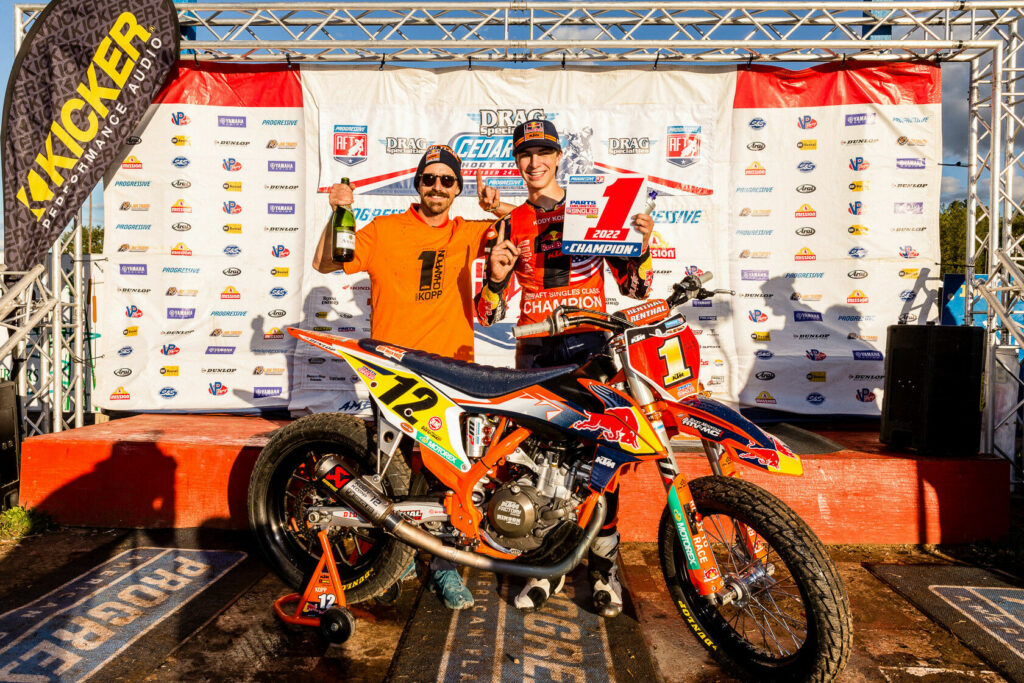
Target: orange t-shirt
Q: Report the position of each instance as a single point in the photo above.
(421, 288)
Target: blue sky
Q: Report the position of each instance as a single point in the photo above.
(954, 112)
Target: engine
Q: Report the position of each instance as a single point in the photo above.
(542, 485)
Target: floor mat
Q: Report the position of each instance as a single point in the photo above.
(122, 616)
(979, 607)
(494, 641)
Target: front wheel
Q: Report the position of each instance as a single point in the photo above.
(792, 620)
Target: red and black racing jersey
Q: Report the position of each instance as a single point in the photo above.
(550, 278)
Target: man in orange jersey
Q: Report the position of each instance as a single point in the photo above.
(421, 289)
(529, 245)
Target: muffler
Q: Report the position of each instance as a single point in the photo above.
(364, 499)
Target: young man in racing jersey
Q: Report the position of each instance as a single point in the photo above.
(420, 281)
(529, 245)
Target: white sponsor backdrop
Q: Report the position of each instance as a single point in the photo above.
(677, 126)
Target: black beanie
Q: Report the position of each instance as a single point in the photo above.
(440, 154)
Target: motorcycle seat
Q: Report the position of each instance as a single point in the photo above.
(484, 381)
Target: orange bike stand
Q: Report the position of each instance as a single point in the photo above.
(322, 604)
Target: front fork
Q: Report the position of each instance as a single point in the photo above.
(701, 565)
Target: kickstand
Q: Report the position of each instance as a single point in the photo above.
(322, 604)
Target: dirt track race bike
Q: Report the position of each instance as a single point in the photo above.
(513, 467)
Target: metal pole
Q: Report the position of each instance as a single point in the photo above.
(972, 201)
(56, 349)
(78, 300)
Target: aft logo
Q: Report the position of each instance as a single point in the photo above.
(349, 144)
(682, 145)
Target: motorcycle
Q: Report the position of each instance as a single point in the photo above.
(514, 465)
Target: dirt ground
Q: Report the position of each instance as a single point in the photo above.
(893, 641)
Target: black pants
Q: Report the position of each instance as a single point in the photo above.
(546, 352)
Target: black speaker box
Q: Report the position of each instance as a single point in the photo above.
(932, 401)
(10, 446)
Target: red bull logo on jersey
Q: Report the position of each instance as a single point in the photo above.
(616, 425)
(349, 144)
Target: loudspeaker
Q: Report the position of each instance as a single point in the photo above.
(932, 400)
(10, 446)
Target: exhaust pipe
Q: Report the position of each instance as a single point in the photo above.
(353, 491)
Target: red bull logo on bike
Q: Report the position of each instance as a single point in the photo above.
(762, 457)
(616, 425)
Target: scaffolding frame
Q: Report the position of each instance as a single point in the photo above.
(984, 34)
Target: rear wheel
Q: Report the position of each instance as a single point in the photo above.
(281, 490)
(792, 620)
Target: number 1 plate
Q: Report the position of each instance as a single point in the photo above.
(598, 215)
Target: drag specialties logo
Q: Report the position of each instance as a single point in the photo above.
(682, 145)
(349, 144)
(636, 145)
(498, 122)
(403, 145)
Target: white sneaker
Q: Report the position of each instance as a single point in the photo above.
(536, 592)
(608, 594)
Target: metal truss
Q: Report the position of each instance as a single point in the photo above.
(521, 31)
(984, 34)
(42, 312)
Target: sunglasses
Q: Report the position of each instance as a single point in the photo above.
(447, 181)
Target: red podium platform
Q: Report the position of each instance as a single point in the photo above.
(189, 470)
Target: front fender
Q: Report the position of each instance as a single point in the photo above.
(708, 419)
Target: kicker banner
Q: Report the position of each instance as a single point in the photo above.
(812, 194)
(81, 82)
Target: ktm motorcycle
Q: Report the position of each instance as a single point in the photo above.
(513, 468)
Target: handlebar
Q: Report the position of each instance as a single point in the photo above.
(533, 328)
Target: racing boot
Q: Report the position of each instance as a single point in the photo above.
(603, 571)
(536, 592)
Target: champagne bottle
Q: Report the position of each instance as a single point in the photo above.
(343, 224)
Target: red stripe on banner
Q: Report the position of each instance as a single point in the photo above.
(371, 181)
(233, 85)
(770, 87)
(692, 189)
